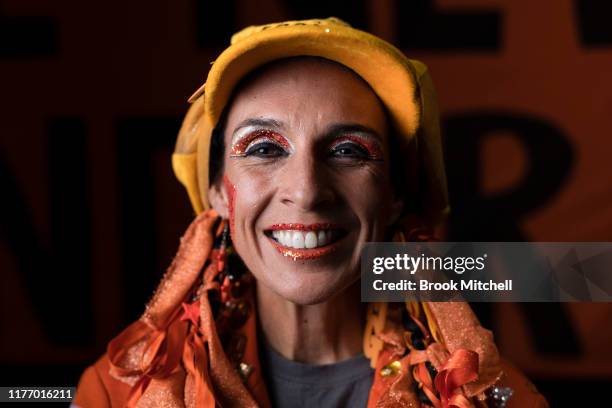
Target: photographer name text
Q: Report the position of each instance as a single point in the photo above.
(451, 285)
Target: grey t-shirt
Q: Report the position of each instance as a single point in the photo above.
(293, 384)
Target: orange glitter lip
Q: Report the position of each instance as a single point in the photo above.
(303, 227)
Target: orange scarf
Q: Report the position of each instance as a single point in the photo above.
(173, 353)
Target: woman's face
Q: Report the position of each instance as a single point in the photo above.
(306, 177)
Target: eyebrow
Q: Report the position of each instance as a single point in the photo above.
(259, 122)
(342, 128)
(331, 131)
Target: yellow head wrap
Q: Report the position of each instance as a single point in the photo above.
(403, 85)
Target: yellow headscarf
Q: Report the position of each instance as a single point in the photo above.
(403, 85)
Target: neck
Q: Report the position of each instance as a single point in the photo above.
(323, 333)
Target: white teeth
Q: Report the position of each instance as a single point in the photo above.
(322, 238)
(285, 238)
(297, 240)
(310, 240)
(302, 239)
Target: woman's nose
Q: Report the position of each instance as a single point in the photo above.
(305, 183)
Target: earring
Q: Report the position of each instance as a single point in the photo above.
(222, 255)
(234, 282)
(234, 307)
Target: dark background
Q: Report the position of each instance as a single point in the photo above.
(92, 98)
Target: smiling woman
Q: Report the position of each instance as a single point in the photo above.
(309, 140)
(307, 159)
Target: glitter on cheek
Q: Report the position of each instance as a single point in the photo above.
(231, 196)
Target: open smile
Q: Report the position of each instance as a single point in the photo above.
(301, 241)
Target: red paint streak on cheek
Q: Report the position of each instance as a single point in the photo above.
(231, 196)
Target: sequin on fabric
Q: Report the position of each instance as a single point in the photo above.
(132, 360)
(164, 393)
(499, 396)
(128, 379)
(189, 393)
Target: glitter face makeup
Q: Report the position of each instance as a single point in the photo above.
(371, 148)
(247, 140)
(306, 177)
(304, 254)
(302, 227)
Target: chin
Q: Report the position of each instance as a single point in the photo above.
(306, 297)
(310, 289)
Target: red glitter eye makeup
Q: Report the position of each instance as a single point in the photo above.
(372, 148)
(243, 140)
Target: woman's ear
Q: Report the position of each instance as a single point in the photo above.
(217, 196)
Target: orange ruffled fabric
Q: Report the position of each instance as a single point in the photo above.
(459, 349)
(173, 357)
